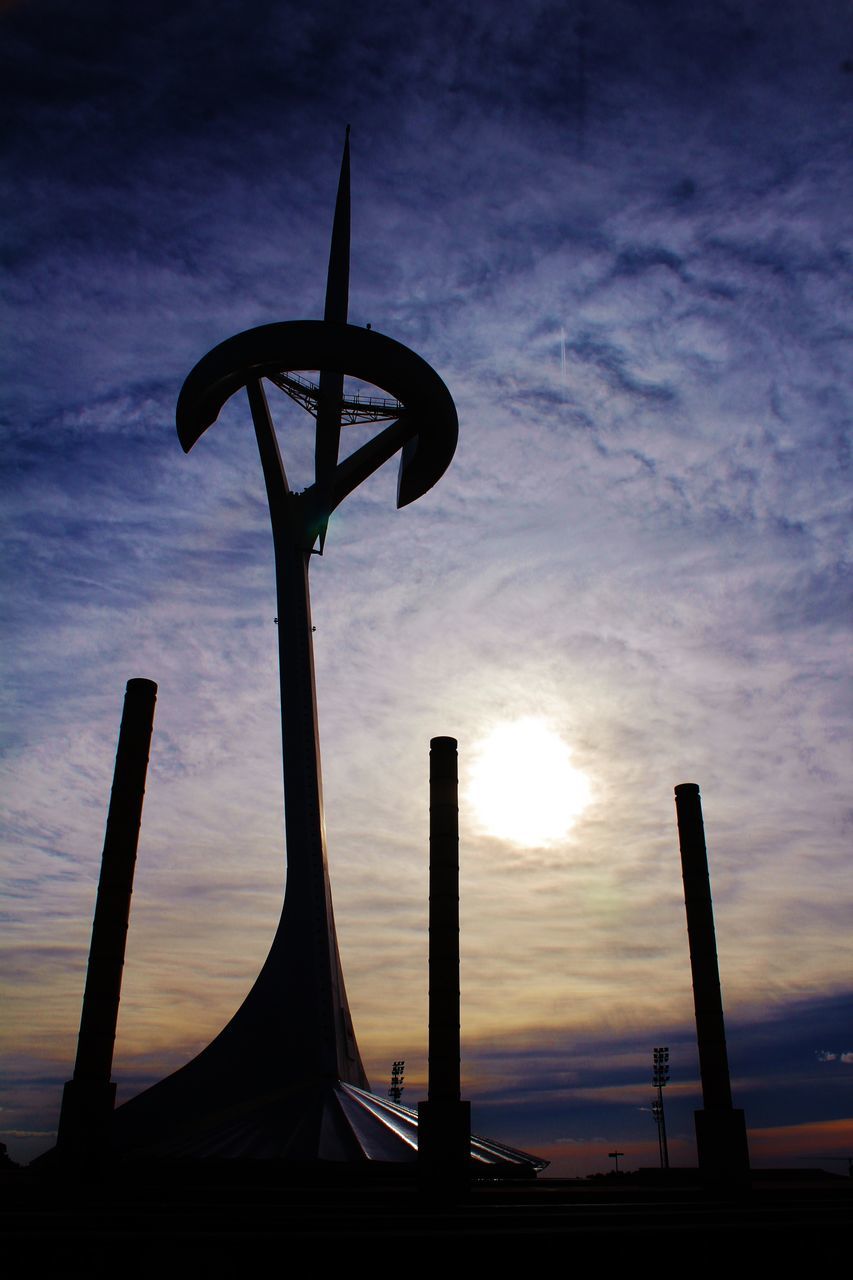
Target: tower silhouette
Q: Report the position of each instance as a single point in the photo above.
(284, 1078)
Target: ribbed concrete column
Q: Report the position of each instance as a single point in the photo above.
(88, 1098)
(444, 1121)
(720, 1128)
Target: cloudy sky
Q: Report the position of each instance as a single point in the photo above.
(620, 231)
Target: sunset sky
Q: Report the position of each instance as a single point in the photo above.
(620, 231)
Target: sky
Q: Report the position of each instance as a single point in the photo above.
(620, 232)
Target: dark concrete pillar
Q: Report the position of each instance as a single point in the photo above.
(89, 1097)
(720, 1127)
(444, 1120)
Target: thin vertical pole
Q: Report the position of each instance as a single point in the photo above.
(89, 1097)
(660, 1135)
(444, 1121)
(444, 1041)
(720, 1128)
(707, 999)
(663, 1143)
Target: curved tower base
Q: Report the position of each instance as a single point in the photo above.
(262, 1088)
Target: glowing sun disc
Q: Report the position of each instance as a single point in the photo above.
(523, 786)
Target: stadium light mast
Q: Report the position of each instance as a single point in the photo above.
(660, 1078)
(397, 1076)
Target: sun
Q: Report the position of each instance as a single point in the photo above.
(523, 786)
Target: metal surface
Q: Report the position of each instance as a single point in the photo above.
(427, 431)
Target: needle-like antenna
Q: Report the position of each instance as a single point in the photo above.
(331, 390)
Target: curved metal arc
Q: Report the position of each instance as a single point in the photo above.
(362, 353)
(354, 470)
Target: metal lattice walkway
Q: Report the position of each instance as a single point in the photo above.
(354, 409)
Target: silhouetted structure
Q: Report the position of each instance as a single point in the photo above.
(395, 1092)
(88, 1098)
(660, 1079)
(284, 1079)
(444, 1121)
(720, 1128)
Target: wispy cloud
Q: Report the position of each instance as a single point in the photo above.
(647, 545)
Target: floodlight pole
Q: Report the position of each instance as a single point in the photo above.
(656, 1110)
(660, 1078)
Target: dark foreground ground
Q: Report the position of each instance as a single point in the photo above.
(148, 1225)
